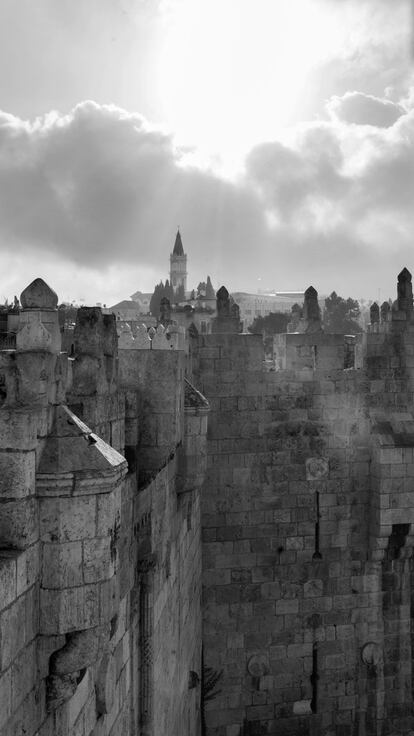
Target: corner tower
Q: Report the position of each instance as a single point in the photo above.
(178, 265)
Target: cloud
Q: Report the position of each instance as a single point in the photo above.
(342, 195)
(101, 186)
(91, 200)
(374, 53)
(287, 176)
(363, 109)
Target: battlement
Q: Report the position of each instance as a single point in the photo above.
(308, 518)
(299, 474)
(171, 337)
(99, 526)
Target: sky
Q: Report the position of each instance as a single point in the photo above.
(278, 135)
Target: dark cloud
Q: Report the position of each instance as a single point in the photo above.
(288, 177)
(362, 109)
(102, 189)
(341, 198)
(100, 185)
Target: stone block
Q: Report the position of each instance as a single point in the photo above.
(31, 598)
(260, 712)
(69, 610)
(334, 661)
(316, 605)
(17, 474)
(24, 675)
(109, 598)
(235, 641)
(313, 588)
(8, 577)
(294, 543)
(302, 707)
(271, 590)
(233, 729)
(28, 567)
(13, 631)
(99, 558)
(216, 577)
(62, 565)
(287, 607)
(5, 697)
(18, 430)
(299, 650)
(19, 523)
(262, 574)
(67, 519)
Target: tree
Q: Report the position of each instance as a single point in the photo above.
(272, 324)
(169, 292)
(341, 315)
(155, 301)
(201, 288)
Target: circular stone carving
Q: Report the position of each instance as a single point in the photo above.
(371, 654)
(316, 468)
(258, 665)
(38, 295)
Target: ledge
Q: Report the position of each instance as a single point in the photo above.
(194, 399)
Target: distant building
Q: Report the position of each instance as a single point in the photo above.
(143, 299)
(195, 307)
(178, 265)
(127, 311)
(194, 313)
(259, 305)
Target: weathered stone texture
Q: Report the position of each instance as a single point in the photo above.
(307, 541)
(83, 542)
(304, 475)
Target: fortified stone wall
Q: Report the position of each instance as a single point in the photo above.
(307, 520)
(308, 507)
(100, 570)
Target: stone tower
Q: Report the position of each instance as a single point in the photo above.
(178, 265)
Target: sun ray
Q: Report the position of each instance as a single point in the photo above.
(231, 73)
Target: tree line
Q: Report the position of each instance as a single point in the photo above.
(339, 315)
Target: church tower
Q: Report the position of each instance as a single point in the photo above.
(178, 265)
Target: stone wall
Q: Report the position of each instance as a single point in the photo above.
(307, 528)
(307, 524)
(100, 568)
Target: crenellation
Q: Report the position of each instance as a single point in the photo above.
(357, 424)
(69, 506)
(144, 466)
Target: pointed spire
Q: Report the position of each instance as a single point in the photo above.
(178, 246)
(210, 293)
(38, 295)
(311, 309)
(223, 302)
(405, 291)
(374, 313)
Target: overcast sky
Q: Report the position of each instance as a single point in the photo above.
(278, 134)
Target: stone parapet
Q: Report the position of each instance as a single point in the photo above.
(98, 584)
(154, 384)
(306, 514)
(171, 337)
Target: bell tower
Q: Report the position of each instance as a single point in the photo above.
(178, 265)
